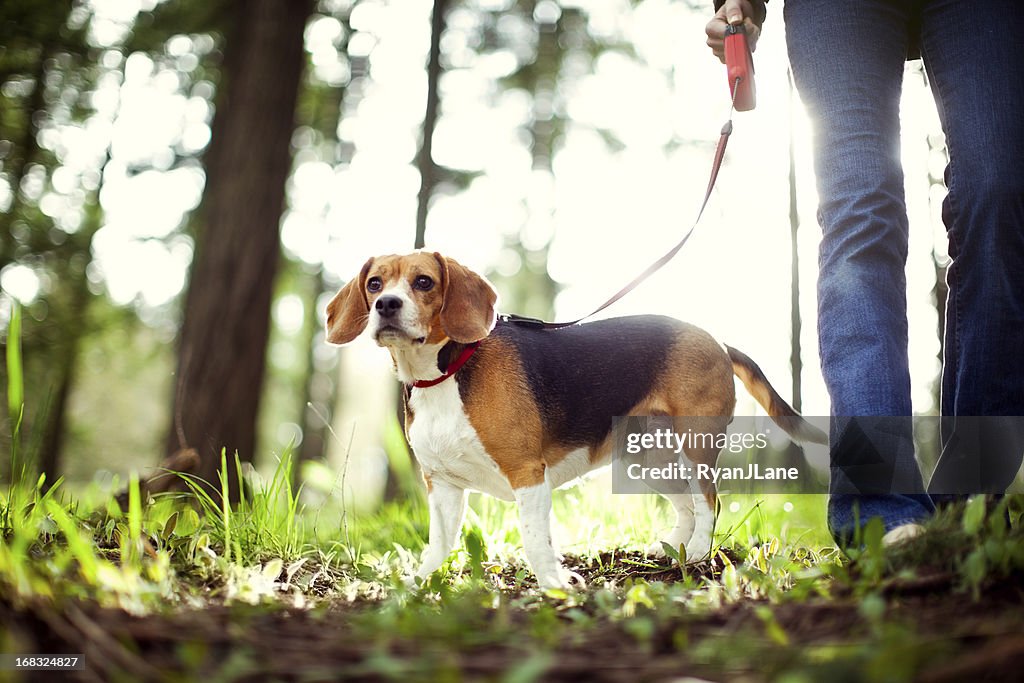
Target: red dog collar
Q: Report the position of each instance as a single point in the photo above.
(452, 369)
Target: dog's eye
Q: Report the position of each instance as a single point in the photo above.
(374, 284)
(423, 283)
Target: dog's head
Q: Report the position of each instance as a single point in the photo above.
(418, 298)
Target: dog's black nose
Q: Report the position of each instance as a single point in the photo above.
(388, 305)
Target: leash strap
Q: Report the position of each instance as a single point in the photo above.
(716, 166)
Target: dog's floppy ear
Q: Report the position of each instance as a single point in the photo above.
(467, 313)
(349, 309)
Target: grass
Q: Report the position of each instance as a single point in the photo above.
(162, 546)
(772, 564)
(184, 586)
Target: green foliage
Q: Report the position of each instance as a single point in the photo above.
(265, 523)
(265, 552)
(186, 17)
(51, 552)
(15, 392)
(999, 554)
(974, 516)
(15, 377)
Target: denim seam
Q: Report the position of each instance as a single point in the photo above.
(951, 196)
(956, 303)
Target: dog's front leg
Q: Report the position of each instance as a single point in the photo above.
(447, 504)
(535, 525)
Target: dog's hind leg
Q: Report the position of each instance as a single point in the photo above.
(702, 489)
(682, 529)
(694, 523)
(694, 499)
(704, 503)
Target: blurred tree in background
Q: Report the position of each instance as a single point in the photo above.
(62, 66)
(226, 325)
(48, 197)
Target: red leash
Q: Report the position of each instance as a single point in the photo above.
(740, 69)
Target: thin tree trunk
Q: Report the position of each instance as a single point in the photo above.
(319, 389)
(424, 158)
(796, 364)
(222, 354)
(320, 385)
(793, 455)
(543, 138)
(55, 427)
(429, 178)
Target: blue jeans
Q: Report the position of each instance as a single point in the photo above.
(847, 58)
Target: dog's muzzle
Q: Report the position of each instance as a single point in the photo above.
(388, 306)
(390, 328)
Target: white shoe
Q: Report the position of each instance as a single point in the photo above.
(902, 534)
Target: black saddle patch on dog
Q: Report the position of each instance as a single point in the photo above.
(584, 375)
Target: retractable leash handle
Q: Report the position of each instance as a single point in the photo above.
(740, 68)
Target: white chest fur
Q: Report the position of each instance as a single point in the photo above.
(446, 445)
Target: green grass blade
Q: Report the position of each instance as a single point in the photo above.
(78, 544)
(15, 392)
(15, 376)
(241, 489)
(225, 502)
(134, 517)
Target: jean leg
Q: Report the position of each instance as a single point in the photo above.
(974, 57)
(847, 61)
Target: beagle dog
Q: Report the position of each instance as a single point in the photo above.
(516, 411)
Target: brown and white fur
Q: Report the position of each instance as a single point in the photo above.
(532, 408)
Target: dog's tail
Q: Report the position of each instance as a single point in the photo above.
(764, 393)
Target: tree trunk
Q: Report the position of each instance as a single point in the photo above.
(320, 392)
(424, 158)
(429, 178)
(796, 364)
(223, 342)
(55, 424)
(793, 455)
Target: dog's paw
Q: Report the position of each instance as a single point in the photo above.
(573, 579)
(698, 548)
(657, 549)
(561, 579)
(694, 550)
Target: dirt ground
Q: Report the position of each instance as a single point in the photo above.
(930, 632)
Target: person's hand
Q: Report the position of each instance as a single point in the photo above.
(732, 12)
